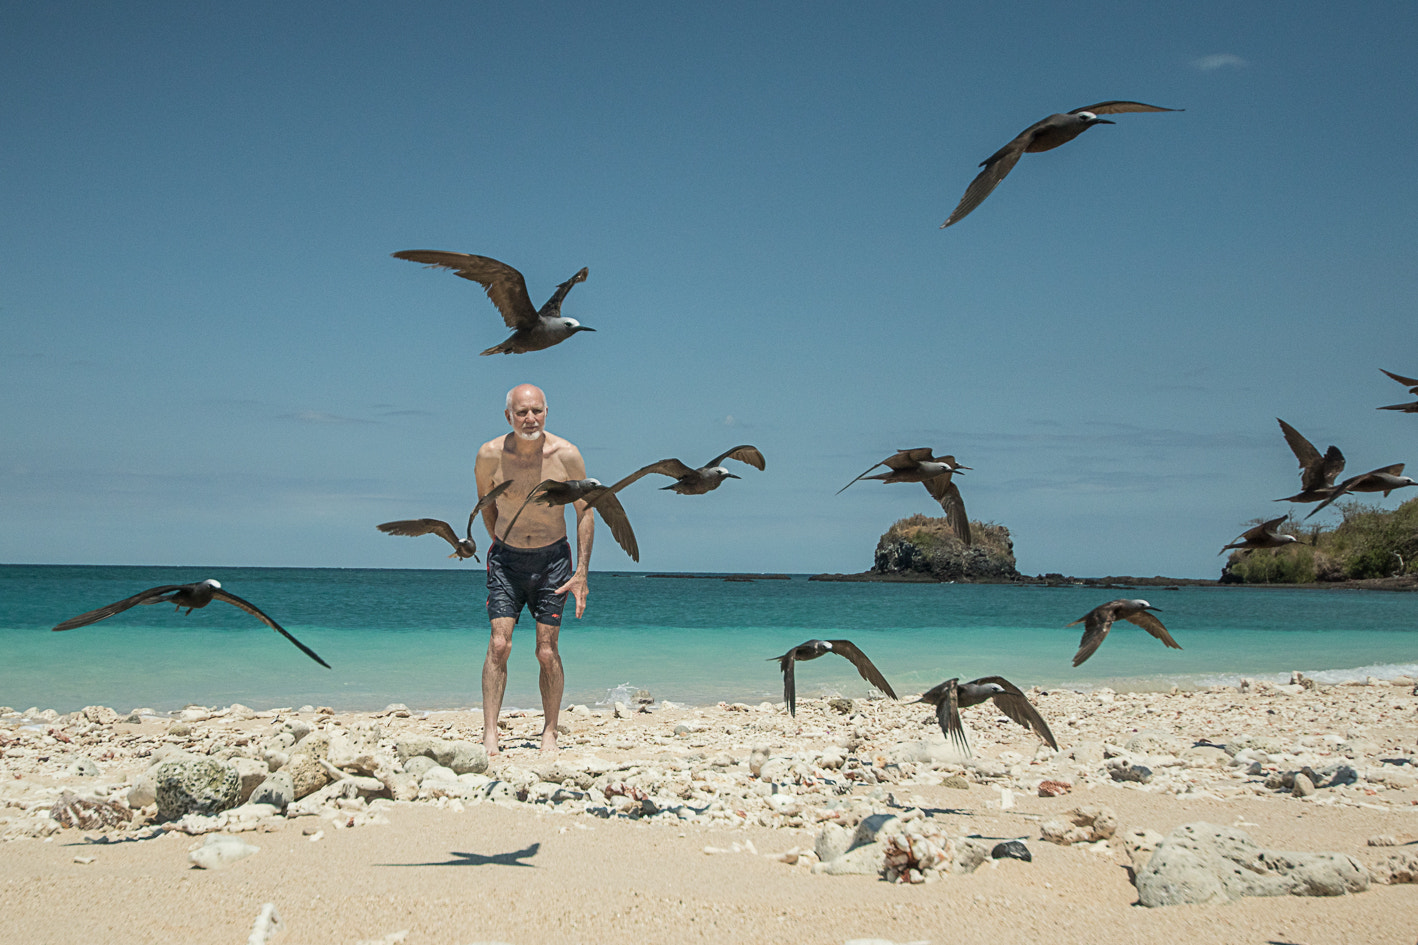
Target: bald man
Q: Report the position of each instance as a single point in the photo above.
(531, 567)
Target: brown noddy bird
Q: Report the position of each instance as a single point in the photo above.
(191, 596)
(1098, 621)
(1384, 479)
(1263, 535)
(599, 497)
(811, 650)
(533, 330)
(1317, 473)
(706, 478)
(952, 695)
(1043, 135)
(934, 472)
(1411, 384)
(463, 548)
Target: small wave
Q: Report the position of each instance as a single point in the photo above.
(625, 692)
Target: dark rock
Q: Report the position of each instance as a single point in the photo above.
(1012, 849)
(926, 546)
(1138, 773)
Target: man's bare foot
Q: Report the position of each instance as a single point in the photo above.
(549, 743)
(490, 749)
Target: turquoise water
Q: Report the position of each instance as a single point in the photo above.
(418, 637)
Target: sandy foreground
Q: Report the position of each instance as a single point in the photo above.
(697, 824)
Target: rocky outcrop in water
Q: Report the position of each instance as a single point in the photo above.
(926, 547)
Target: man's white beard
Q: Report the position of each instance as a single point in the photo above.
(528, 436)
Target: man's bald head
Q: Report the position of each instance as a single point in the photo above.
(527, 411)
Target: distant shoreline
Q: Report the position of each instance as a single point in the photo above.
(1402, 582)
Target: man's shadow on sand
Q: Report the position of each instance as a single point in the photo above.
(478, 859)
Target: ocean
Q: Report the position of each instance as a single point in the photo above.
(418, 637)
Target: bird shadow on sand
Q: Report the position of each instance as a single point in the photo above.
(513, 858)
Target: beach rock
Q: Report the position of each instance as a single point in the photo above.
(1397, 868)
(1301, 785)
(179, 729)
(438, 773)
(268, 923)
(307, 774)
(314, 744)
(1153, 742)
(83, 767)
(419, 765)
(88, 813)
(466, 757)
(1139, 845)
(1202, 863)
(1081, 825)
(412, 745)
(1054, 788)
(401, 785)
(1205, 756)
(219, 850)
(297, 729)
(1139, 774)
(195, 786)
(277, 789)
(831, 842)
(356, 750)
(250, 773)
(99, 714)
(1013, 850)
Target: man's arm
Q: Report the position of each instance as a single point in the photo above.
(484, 469)
(585, 535)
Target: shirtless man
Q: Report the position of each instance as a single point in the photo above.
(532, 566)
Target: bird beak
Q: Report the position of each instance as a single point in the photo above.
(958, 468)
(582, 328)
(731, 476)
(1103, 121)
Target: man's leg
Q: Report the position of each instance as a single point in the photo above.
(499, 647)
(552, 681)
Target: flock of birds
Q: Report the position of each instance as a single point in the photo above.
(951, 696)
(535, 329)
(1317, 474)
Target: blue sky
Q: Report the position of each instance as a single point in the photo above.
(207, 355)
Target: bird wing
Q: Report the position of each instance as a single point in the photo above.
(790, 686)
(504, 285)
(947, 713)
(1013, 703)
(1096, 625)
(665, 467)
(996, 167)
(253, 610)
(151, 596)
(613, 513)
(491, 497)
(1118, 108)
(414, 527)
(865, 667)
(1406, 408)
(538, 488)
(1411, 383)
(908, 459)
(947, 493)
(744, 454)
(1149, 622)
(554, 303)
(1333, 466)
(1303, 449)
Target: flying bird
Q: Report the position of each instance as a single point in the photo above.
(1098, 621)
(191, 596)
(533, 330)
(1317, 473)
(952, 695)
(1044, 135)
(1411, 384)
(597, 496)
(1385, 480)
(1264, 535)
(811, 650)
(934, 472)
(463, 548)
(706, 478)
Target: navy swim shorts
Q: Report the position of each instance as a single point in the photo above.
(518, 577)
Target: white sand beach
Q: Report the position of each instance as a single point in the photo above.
(663, 823)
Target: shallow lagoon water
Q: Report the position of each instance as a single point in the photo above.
(418, 637)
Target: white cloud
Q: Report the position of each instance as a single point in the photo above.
(1219, 61)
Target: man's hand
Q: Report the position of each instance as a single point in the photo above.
(577, 587)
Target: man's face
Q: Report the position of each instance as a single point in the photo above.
(528, 415)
